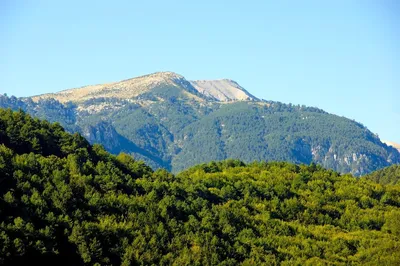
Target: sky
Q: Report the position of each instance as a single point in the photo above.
(340, 56)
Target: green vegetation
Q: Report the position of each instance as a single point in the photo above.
(63, 201)
(168, 128)
(278, 132)
(386, 176)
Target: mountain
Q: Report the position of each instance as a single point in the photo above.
(126, 89)
(173, 123)
(66, 202)
(218, 90)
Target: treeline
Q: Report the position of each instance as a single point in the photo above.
(66, 202)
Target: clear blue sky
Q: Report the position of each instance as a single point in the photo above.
(341, 56)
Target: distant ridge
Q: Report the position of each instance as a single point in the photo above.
(393, 144)
(218, 90)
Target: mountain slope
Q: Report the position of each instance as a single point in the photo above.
(173, 123)
(393, 144)
(292, 134)
(65, 202)
(125, 89)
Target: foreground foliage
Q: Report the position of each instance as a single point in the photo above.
(64, 201)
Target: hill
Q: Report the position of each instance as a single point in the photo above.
(66, 202)
(387, 176)
(173, 123)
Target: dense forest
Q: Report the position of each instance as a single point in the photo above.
(66, 202)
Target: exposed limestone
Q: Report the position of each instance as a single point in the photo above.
(220, 90)
(223, 90)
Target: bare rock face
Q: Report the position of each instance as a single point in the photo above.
(103, 133)
(223, 90)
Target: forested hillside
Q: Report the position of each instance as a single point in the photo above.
(173, 123)
(65, 202)
(386, 176)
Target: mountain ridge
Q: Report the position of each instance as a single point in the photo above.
(163, 119)
(393, 144)
(219, 90)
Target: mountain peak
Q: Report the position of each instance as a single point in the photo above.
(223, 90)
(163, 75)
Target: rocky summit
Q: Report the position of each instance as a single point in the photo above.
(218, 90)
